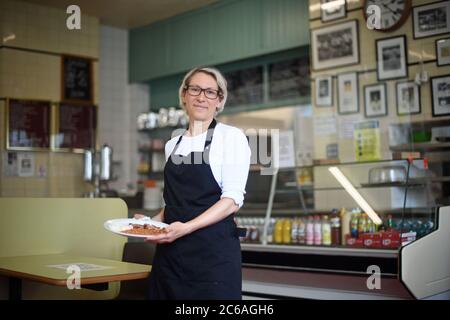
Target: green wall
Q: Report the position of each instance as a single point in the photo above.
(226, 31)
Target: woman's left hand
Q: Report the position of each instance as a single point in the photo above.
(174, 231)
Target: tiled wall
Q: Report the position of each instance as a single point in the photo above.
(34, 73)
(120, 104)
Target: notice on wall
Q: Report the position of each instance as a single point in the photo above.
(325, 125)
(25, 164)
(367, 140)
(10, 167)
(346, 125)
(287, 153)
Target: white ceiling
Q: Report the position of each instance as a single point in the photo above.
(129, 13)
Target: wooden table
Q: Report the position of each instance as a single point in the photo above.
(41, 268)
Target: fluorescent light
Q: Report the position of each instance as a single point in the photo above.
(355, 194)
(332, 5)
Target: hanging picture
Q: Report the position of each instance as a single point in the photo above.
(431, 19)
(440, 92)
(332, 9)
(443, 52)
(375, 100)
(348, 97)
(324, 91)
(335, 46)
(408, 98)
(392, 61)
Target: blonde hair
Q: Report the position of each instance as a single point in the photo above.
(220, 80)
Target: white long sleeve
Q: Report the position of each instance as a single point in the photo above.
(229, 158)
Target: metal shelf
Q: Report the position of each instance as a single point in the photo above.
(422, 147)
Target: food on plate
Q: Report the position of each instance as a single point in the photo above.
(143, 229)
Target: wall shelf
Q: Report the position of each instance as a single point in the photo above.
(422, 146)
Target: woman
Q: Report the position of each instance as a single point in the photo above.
(204, 185)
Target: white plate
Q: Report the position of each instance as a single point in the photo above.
(119, 225)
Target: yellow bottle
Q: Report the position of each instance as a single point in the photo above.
(278, 231)
(287, 225)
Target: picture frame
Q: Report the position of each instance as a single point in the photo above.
(324, 91)
(392, 58)
(440, 95)
(408, 98)
(335, 46)
(375, 100)
(431, 19)
(348, 93)
(331, 10)
(443, 52)
(77, 79)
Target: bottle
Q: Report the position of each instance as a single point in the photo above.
(270, 229)
(335, 228)
(317, 231)
(389, 223)
(354, 224)
(302, 232)
(294, 231)
(287, 226)
(326, 231)
(362, 223)
(346, 217)
(310, 231)
(278, 231)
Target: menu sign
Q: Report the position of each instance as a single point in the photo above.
(76, 126)
(28, 124)
(76, 79)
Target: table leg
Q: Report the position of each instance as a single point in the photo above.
(15, 288)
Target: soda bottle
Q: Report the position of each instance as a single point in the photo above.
(301, 232)
(294, 231)
(362, 223)
(335, 228)
(326, 231)
(270, 230)
(287, 226)
(317, 231)
(354, 225)
(278, 231)
(310, 231)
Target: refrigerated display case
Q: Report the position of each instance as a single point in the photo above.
(310, 238)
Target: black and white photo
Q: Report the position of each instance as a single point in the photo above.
(348, 93)
(392, 61)
(440, 92)
(443, 52)
(431, 19)
(408, 98)
(335, 46)
(375, 100)
(332, 10)
(324, 91)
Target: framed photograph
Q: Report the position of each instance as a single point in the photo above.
(335, 45)
(324, 91)
(440, 93)
(348, 93)
(443, 52)
(392, 59)
(408, 98)
(332, 10)
(375, 100)
(431, 19)
(77, 79)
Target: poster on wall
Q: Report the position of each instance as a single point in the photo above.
(77, 82)
(25, 163)
(287, 153)
(367, 140)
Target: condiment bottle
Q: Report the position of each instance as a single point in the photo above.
(287, 225)
(317, 231)
(326, 231)
(310, 231)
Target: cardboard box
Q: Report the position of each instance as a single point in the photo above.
(372, 240)
(390, 239)
(354, 242)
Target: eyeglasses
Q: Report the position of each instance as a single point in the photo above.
(196, 91)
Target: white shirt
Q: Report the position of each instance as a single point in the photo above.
(229, 158)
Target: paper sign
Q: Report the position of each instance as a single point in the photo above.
(25, 161)
(286, 145)
(367, 140)
(83, 266)
(324, 126)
